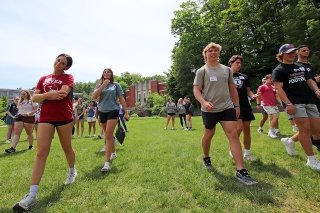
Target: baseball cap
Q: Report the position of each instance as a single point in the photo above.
(287, 48)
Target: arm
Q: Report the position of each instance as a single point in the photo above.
(251, 94)
(124, 107)
(283, 96)
(197, 94)
(96, 93)
(314, 87)
(234, 97)
(51, 95)
(259, 98)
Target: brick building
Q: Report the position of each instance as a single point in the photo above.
(138, 93)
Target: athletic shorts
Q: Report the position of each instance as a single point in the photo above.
(26, 119)
(270, 110)
(57, 123)
(210, 119)
(81, 117)
(305, 111)
(171, 114)
(91, 119)
(105, 116)
(246, 115)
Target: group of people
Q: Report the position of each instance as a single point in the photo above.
(185, 110)
(224, 94)
(54, 92)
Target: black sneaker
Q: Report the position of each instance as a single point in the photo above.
(30, 147)
(10, 150)
(243, 176)
(207, 164)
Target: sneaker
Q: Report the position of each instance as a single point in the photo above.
(103, 149)
(249, 158)
(271, 134)
(71, 177)
(99, 136)
(207, 164)
(185, 129)
(30, 147)
(243, 176)
(294, 128)
(314, 164)
(106, 167)
(260, 130)
(165, 128)
(10, 150)
(289, 146)
(113, 156)
(25, 204)
(8, 141)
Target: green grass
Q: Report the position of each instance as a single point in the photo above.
(161, 170)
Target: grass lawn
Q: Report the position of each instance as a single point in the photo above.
(161, 170)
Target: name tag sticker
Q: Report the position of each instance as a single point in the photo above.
(213, 78)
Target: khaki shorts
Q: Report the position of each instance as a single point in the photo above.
(91, 119)
(271, 109)
(305, 111)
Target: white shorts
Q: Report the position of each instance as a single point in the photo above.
(91, 119)
(271, 109)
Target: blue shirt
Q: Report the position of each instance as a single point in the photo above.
(108, 100)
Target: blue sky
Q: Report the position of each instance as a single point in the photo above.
(125, 35)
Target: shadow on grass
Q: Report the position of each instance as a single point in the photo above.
(44, 203)
(272, 168)
(260, 193)
(4, 154)
(96, 173)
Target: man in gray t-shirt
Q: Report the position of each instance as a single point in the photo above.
(216, 91)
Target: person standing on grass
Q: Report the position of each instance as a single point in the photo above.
(171, 112)
(54, 91)
(268, 94)
(246, 116)
(24, 119)
(92, 117)
(189, 112)
(80, 108)
(293, 84)
(263, 112)
(216, 91)
(108, 92)
(182, 113)
(11, 112)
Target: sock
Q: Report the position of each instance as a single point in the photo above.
(34, 190)
(247, 152)
(312, 158)
(72, 170)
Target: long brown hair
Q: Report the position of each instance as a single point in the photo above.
(111, 79)
(28, 96)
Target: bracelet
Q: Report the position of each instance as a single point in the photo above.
(236, 106)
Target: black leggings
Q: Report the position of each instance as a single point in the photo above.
(184, 118)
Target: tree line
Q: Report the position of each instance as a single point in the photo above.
(254, 29)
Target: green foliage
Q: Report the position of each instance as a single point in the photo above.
(254, 29)
(3, 104)
(155, 103)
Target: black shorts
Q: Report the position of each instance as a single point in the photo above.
(210, 119)
(246, 115)
(105, 116)
(57, 123)
(81, 117)
(26, 119)
(171, 114)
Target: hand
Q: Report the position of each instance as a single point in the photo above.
(237, 112)
(291, 109)
(258, 107)
(126, 116)
(208, 106)
(317, 93)
(56, 95)
(254, 96)
(106, 82)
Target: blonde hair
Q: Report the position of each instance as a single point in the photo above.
(279, 57)
(209, 46)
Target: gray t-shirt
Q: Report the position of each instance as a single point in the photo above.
(181, 108)
(171, 107)
(215, 86)
(108, 100)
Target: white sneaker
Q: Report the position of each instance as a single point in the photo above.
(106, 167)
(26, 203)
(103, 149)
(314, 164)
(71, 177)
(289, 146)
(113, 156)
(8, 141)
(249, 158)
(271, 134)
